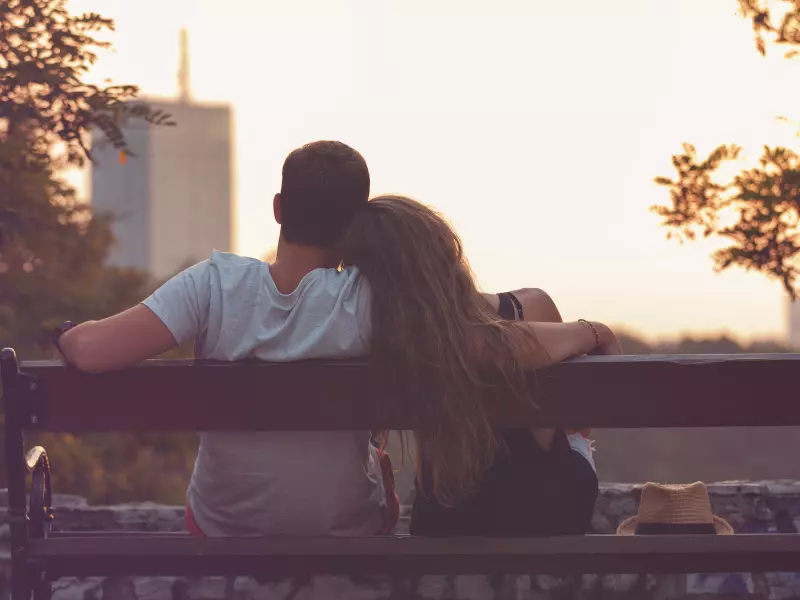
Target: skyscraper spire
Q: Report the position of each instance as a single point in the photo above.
(184, 89)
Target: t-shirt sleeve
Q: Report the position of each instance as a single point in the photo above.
(182, 303)
(364, 310)
(582, 446)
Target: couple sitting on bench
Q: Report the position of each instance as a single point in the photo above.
(384, 279)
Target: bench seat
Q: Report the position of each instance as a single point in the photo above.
(91, 554)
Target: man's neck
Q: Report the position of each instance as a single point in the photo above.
(293, 262)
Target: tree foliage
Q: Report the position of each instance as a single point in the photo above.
(45, 53)
(52, 254)
(53, 250)
(763, 199)
(774, 22)
(758, 210)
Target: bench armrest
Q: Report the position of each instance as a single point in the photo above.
(36, 456)
(40, 510)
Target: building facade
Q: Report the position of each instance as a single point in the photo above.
(172, 199)
(793, 333)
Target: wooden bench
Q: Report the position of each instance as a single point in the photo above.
(622, 392)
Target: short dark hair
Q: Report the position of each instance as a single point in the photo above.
(324, 183)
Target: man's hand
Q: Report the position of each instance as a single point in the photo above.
(117, 342)
(58, 357)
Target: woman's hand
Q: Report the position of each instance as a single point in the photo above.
(560, 341)
(608, 344)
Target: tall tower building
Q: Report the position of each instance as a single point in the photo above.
(172, 199)
(793, 333)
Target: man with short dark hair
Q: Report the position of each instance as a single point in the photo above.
(323, 184)
(299, 307)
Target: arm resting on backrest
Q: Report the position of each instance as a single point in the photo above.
(40, 510)
(36, 456)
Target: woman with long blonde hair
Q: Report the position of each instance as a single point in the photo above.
(438, 347)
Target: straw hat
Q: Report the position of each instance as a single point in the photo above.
(674, 509)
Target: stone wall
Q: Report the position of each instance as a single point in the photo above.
(750, 507)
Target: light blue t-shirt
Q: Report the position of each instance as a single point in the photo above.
(276, 483)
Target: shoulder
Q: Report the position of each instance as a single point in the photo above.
(533, 296)
(527, 296)
(227, 270)
(538, 305)
(218, 263)
(347, 286)
(344, 283)
(349, 276)
(229, 260)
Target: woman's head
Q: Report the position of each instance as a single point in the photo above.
(435, 341)
(405, 243)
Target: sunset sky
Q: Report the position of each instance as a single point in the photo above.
(535, 126)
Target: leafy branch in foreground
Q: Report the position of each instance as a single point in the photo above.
(782, 26)
(47, 116)
(764, 202)
(756, 211)
(45, 53)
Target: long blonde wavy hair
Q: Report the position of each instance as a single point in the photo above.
(438, 350)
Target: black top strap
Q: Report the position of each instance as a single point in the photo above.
(506, 308)
(510, 307)
(518, 306)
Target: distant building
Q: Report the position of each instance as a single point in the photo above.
(270, 256)
(172, 202)
(793, 334)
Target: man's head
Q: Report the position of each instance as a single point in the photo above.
(324, 183)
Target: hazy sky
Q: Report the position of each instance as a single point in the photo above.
(535, 126)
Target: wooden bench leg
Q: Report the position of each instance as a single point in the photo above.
(16, 470)
(42, 590)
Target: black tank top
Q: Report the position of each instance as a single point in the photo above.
(525, 492)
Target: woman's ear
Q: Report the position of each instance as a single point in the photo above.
(276, 209)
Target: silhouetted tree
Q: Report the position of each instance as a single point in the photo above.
(782, 26)
(765, 198)
(53, 250)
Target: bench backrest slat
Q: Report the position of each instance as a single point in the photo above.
(621, 391)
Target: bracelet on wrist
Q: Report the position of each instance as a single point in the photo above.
(594, 331)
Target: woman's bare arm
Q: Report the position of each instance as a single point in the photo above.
(557, 341)
(537, 305)
(560, 341)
